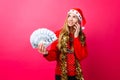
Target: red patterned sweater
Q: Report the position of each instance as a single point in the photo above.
(80, 52)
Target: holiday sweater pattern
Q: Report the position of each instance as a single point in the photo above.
(80, 52)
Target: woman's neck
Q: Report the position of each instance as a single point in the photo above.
(72, 30)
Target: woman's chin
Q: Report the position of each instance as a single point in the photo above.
(71, 25)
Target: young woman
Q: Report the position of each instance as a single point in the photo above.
(69, 49)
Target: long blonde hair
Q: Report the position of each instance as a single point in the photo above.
(62, 47)
(64, 36)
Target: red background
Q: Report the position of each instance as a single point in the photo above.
(19, 18)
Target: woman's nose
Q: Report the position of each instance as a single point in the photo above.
(70, 18)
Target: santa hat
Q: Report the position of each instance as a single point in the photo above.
(79, 14)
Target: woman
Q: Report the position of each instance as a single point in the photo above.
(69, 49)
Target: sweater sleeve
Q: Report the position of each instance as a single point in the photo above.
(80, 51)
(52, 52)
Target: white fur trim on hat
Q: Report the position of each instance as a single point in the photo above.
(76, 13)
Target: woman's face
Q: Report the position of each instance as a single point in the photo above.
(72, 19)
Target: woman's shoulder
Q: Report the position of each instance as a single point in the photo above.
(58, 32)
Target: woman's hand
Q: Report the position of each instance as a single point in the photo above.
(77, 30)
(42, 49)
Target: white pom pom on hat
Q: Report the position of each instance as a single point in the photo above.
(79, 14)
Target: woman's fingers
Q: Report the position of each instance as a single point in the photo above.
(77, 29)
(77, 26)
(42, 49)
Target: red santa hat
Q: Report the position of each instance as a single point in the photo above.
(79, 14)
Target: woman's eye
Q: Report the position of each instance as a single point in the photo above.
(68, 15)
(74, 16)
